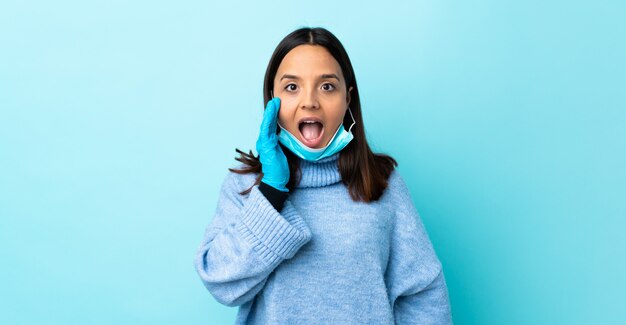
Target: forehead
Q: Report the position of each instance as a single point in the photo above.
(308, 61)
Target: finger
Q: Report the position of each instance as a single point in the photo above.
(269, 117)
(273, 114)
(266, 119)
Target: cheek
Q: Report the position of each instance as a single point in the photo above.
(285, 114)
(288, 99)
(335, 120)
(282, 118)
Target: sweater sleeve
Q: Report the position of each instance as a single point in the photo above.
(245, 241)
(417, 289)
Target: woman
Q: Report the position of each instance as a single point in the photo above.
(318, 229)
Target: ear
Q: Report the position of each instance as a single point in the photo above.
(348, 95)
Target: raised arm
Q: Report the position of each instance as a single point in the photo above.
(245, 241)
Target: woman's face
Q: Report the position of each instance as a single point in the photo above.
(311, 87)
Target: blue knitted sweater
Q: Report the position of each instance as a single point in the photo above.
(324, 258)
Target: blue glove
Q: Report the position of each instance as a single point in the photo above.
(273, 160)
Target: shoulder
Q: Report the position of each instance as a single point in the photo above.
(237, 182)
(399, 197)
(397, 188)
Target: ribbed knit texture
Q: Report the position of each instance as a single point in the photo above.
(322, 259)
(319, 173)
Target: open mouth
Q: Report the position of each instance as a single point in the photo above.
(311, 131)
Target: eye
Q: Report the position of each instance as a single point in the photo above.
(287, 87)
(332, 87)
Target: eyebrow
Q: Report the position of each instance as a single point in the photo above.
(323, 76)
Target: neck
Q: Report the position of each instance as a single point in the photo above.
(319, 173)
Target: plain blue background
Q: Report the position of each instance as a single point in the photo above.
(118, 122)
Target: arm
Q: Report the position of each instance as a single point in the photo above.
(246, 240)
(414, 275)
(276, 197)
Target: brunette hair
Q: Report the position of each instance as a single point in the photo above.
(362, 171)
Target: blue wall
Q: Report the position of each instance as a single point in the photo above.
(118, 121)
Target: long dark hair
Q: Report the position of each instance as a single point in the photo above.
(362, 171)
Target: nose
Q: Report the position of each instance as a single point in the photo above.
(309, 100)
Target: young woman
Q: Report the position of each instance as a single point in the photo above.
(317, 229)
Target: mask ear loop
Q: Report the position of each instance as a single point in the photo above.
(353, 120)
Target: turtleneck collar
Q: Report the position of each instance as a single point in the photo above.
(319, 173)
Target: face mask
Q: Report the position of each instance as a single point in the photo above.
(338, 142)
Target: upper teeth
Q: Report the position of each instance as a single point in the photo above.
(310, 121)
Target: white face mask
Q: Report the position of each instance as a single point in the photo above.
(340, 140)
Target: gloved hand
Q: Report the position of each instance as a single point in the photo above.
(273, 160)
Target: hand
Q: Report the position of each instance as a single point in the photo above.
(273, 160)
